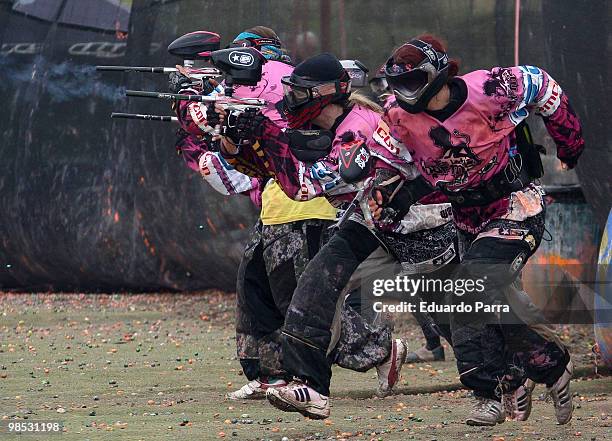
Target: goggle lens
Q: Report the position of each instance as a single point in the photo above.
(295, 96)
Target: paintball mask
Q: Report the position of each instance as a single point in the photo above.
(415, 86)
(271, 48)
(314, 83)
(379, 85)
(357, 71)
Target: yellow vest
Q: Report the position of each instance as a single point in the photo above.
(278, 208)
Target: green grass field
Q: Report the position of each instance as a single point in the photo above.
(156, 367)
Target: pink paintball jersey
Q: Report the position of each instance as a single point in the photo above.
(272, 157)
(477, 141)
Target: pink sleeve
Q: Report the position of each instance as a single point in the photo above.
(256, 191)
(540, 92)
(271, 156)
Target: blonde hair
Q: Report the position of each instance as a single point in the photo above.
(363, 101)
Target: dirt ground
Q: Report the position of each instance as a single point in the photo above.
(156, 367)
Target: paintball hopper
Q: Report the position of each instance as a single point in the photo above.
(196, 45)
(242, 66)
(357, 71)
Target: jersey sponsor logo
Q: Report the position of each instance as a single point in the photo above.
(362, 158)
(198, 115)
(382, 136)
(205, 161)
(551, 100)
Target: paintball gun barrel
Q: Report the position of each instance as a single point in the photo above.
(145, 117)
(200, 73)
(190, 47)
(221, 99)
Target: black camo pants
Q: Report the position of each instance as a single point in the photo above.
(273, 262)
(495, 354)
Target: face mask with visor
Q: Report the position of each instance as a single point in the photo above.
(380, 88)
(270, 48)
(297, 95)
(415, 86)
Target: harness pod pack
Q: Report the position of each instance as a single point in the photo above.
(529, 169)
(354, 162)
(529, 151)
(310, 145)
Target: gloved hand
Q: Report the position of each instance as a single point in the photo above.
(213, 118)
(177, 82)
(243, 125)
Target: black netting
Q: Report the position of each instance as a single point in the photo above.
(92, 203)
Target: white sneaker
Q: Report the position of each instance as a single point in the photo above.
(486, 412)
(389, 371)
(298, 397)
(255, 390)
(561, 395)
(517, 405)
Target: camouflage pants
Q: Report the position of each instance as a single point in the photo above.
(274, 260)
(495, 353)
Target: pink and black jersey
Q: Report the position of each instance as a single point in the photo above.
(466, 149)
(477, 141)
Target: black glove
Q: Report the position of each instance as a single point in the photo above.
(243, 125)
(212, 117)
(177, 82)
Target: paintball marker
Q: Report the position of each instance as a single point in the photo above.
(241, 66)
(190, 47)
(228, 102)
(232, 105)
(360, 201)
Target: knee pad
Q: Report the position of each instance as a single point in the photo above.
(495, 260)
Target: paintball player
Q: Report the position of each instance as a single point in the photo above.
(332, 161)
(433, 349)
(286, 237)
(467, 140)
